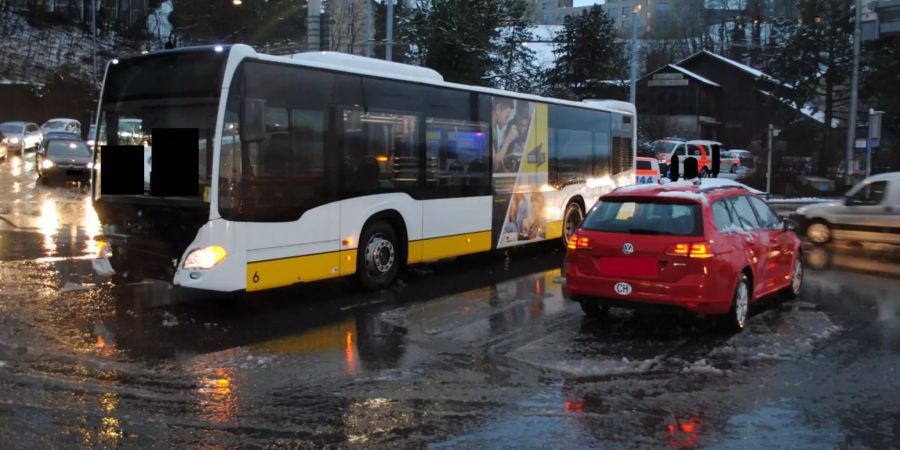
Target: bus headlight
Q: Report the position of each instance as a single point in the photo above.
(205, 258)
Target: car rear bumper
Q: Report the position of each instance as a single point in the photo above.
(688, 294)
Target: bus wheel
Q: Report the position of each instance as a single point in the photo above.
(571, 221)
(378, 256)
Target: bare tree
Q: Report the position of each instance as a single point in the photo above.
(347, 24)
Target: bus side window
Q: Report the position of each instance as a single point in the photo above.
(457, 157)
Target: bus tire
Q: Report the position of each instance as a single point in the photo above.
(571, 221)
(378, 256)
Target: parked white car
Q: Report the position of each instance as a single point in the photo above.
(21, 136)
(869, 212)
(61, 125)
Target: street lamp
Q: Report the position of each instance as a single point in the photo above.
(632, 95)
(237, 2)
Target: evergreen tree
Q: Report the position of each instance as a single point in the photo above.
(586, 54)
(516, 67)
(400, 48)
(879, 78)
(814, 64)
(459, 38)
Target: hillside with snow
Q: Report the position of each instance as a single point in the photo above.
(31, 54)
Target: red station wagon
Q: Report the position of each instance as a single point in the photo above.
(708, 249)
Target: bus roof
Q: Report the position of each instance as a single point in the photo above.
(384, 69)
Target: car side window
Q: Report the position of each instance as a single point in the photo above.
(869, 194)
(768, 219)
(694, 150)
(722, 217)
(744, 213)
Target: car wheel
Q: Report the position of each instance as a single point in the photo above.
(592, 309)
(736, 319)
(378, 256)
(818, 232)
(571, 221)
(704, 173)
(793, 291)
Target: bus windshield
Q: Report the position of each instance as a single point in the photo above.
(170, 100)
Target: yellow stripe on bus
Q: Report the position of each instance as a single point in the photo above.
(300, 269)
(284, 272)
(554, 229)
(461, 244)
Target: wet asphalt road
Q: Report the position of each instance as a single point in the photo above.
(482, 352)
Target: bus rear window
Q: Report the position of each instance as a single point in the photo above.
(166, 75)
(645, 218)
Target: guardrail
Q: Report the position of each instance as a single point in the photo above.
(786, 206)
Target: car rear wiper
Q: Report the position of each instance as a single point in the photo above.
(643, 231)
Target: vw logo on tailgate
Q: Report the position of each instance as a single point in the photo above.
(628, 248)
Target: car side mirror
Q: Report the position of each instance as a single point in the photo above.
(253, 124)
(790, 225)
(848, 201)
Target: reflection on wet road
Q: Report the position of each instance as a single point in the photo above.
(482, 352)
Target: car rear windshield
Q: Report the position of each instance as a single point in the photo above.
(64, 148)
(644, 165)
(7, 128)
(645, 217)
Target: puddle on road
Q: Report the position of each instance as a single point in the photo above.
(777, 425)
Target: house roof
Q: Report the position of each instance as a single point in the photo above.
(693, 75)
(755, 73)
(685, 72)
(807, 110)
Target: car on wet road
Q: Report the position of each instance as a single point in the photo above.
(707, 249)
(21, 136)
(64, 157)
(870, 212)
(61, 125)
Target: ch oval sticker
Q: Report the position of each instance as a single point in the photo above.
(623, 288)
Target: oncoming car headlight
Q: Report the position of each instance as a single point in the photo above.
(205, 258)
(46, 164)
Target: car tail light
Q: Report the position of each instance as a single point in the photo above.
(691, 250)
(578, 242)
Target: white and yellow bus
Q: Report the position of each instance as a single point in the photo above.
(222, 169)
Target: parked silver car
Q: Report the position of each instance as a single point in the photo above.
(869, 212)
(21, 136)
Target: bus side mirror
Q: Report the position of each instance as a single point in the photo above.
(253, 124)
(716, 160)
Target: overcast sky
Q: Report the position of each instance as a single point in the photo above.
(586, 2)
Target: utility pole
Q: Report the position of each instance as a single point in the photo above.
(389, 38)
(94, 37)
(368, 28)
(854, 81)
(632, 94)
(313, 26)
(770, 132)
